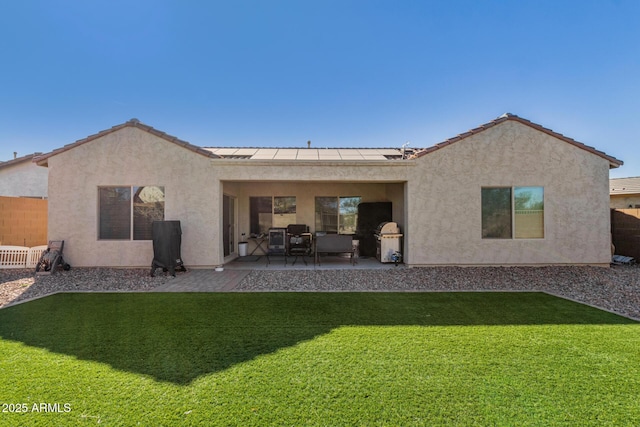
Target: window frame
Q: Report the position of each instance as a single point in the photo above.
(521, 234)
(284, 212)
(340, 215)
(136, 229)
(514, 233)
(255, 210)
(288, 207)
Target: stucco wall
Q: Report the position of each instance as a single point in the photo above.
(24, 179)
(436, 198)
(132, 157)
(444, 202)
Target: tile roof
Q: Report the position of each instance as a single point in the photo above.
(624, 185)
(321, 154)
(613, 162)
(252, 153)
(42, 159)
(27, 158)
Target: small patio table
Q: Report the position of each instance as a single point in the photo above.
(259, 241)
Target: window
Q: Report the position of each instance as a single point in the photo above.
(260, 213)
(516, 212)
(348, 218)
(267, 212)
(327, 214)
(337, 214)
(115, 213)
(528, 212)
(284, 211)
(127, 213)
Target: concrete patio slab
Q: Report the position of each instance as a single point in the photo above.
(204, 281)
(209, 280)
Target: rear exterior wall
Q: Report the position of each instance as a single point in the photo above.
(444, 200)
(131, 157)
(437, 197)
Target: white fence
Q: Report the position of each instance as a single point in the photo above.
(20, 256)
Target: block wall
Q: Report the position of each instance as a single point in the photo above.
(23, 221)
(625, 231)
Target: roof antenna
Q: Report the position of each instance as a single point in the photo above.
(404, 149)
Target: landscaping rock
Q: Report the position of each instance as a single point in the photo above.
(615, 289)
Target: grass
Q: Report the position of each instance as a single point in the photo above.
(318, 359)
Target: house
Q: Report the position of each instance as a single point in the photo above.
(625, 193)
(509, 192)
(23, 218)
(21, 177)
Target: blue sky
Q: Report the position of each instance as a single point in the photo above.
(339, 73)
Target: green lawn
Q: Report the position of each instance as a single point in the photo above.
(508, 359)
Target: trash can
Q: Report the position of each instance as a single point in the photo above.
(242, 248)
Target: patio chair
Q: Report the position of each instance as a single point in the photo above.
(298, 242)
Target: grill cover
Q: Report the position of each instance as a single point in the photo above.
(167, 239)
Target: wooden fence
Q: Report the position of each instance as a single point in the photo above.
(23, 221)
(625, 230)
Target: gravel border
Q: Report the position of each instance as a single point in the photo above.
(19, 285)
(615, 289)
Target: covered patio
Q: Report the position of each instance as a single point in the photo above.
(251, 208)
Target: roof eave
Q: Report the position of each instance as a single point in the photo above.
(43, 159)
(16, 161)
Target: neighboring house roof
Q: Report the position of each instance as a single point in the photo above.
(27, 158)
(42, 160)
(613, 162)
(624, 186)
